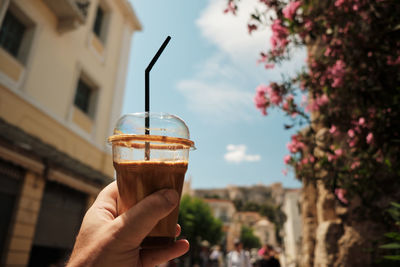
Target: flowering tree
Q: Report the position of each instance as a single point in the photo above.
(350, 88)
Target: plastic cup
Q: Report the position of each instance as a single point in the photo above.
(145, 163)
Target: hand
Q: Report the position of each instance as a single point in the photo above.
(106, 239)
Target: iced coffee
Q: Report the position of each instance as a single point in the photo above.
(145, 163)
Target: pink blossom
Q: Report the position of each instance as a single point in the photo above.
(339, 152)
(263, 58)
(311, 159)
(308, 25)
(285, 106)
(392, 62)
(269, 66)
(274, 96)
(322, 100)
(230, 8)
(287, 159)
(251, 28)
(333, 129)
(341, 195)
(336, 73)
(284, 171)
(352, 143)
(361, 121)
(351, 133)
(369, 138)
(339, 2)
(331, 157)
(279, 35)
(355, 164)
(290, 10)
(304, 161)
(295, 145)
(260, 101)
(327, 51)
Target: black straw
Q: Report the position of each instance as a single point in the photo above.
(147, 83)
(147, 94)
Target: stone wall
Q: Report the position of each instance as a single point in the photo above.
(335, 235)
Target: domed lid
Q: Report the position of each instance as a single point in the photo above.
(164, 128)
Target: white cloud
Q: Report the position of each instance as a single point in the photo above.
(215, 92)
(230, 32)
(237, 154)
(225, 82)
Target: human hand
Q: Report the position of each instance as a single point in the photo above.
(106, 239)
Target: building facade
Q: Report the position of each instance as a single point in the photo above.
(62, 77)
(292, 227)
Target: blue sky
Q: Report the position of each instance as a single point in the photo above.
(207, 75)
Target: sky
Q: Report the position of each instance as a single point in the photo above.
(207, 75)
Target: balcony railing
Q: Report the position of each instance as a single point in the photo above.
(70, 13)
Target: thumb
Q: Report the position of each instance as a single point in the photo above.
(138, 221)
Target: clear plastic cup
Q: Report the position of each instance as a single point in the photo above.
(145, 163)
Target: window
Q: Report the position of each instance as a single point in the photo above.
(82, 96)
(101, 22)
(98, 21)
(85, 96)
(11, 34)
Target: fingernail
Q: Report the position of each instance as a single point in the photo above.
(171, 196)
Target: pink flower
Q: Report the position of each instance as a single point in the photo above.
(269, 66)
(284, 171)
(311, 159)
(361, 121)
(336, 73)
(369, 138)
(287, 159)
(339, 152)
(260, 101)
(230, 8)
(333, 129)
(331, 157)
(355, 165)
(352, 143)
(295, 145)
(339, 2)
(290, 10)
(263, 58)
(341, 195)
(304, 161)
(392, 62)
(351, 133)
(308, 25)
(279, 35)
(251, 28)
(274, 96)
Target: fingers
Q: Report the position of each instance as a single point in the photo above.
(139, 220)
(153, 257)
(107, 199)
(178, 230)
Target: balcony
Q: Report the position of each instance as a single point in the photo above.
(70, 13)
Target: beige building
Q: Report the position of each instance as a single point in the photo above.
(262, 228)
(62, 76)
(265, 231)
(292, 227)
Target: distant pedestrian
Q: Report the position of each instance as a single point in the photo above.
(268, 258)
(216, 258)
(238, 257)
(204, 254)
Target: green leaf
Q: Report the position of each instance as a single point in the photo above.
(392, 257)
(391, 246)
(396, 205)
(393, 235)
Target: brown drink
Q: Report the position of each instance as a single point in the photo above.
(146, 163)
(147, 177)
